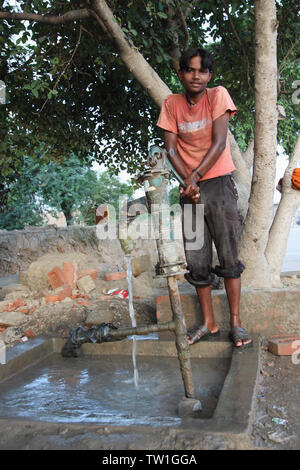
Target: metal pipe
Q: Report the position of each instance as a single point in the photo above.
(142, 330)
(181, 341)
(170, 264)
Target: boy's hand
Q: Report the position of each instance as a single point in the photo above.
(192, 191)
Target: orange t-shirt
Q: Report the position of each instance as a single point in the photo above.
(193, 126)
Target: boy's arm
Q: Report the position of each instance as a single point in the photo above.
(192, 189)
(171, 147)
(219, 136)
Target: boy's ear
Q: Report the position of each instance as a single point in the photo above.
(179, 73)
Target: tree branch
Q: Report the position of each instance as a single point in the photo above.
(174, 24)
(238, 39)
(65, 68)
(288, 53)
(132, 59)
(48, 19)
(174, 49)
(184, 25)
(280, 229)
(248, 155)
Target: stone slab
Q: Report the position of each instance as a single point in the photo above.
(12, 318)
(265, 312)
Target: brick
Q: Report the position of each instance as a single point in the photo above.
(115, 276)
(56, 278)
(104, 297)
(30, 333)
(51, 298)
(23, 310)
(282, 345)
(70, 271)
(65, 292)
(86, 303)
(14, 305)
(81, 296)
(88, 272)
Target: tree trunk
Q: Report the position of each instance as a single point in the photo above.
(242, 176)
(133, 60)
(67, 210)
(280, 229)
(259, 217)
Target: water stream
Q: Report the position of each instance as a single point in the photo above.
(133, 322)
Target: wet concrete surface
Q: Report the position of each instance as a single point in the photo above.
(50, 402)
(6, 280)
(101, 390)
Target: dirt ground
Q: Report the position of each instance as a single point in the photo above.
(276, 421)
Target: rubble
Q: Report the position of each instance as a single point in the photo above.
(66, 290)
(12, 334)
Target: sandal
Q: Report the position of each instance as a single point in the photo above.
(195, 336)
(237, 333)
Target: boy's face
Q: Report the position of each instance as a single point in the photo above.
(193, 79)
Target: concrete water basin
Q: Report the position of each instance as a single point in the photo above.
(38, 385)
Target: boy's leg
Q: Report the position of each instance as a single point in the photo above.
(223, 226)
(204, 296)
(233, 291)
(200, 275)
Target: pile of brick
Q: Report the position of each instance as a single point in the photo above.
(70, 292)
(70, 283)
(16, 313)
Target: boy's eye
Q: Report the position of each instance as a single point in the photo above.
(200, 71)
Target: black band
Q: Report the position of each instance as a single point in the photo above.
(199, 174)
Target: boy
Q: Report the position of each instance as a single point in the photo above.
(195, 132)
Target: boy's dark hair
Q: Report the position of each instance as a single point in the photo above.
(186, 56)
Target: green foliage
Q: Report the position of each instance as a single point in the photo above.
(68, 186)
(107, 190)
(174, 196)
(96, 109)
(21, 207)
